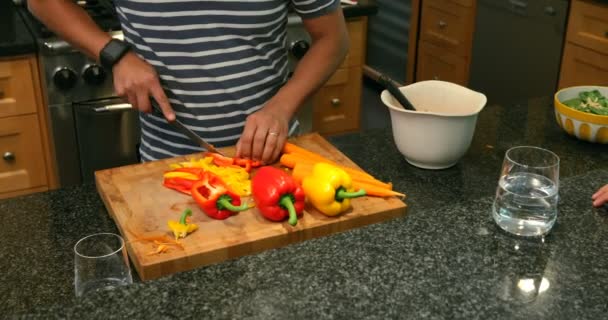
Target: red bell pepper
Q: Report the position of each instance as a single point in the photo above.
(215, 198)
(277, 195)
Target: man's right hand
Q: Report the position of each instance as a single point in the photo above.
(137, 81)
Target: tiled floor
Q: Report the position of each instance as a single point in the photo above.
(373, 112)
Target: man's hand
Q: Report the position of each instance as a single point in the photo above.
(265, 134)
(137, 81)
(600, 197)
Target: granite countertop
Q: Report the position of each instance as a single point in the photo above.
(444, 259)
(15, 37)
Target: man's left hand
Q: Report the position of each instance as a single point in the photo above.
(264, 135)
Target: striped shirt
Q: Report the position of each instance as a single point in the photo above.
(218, 61)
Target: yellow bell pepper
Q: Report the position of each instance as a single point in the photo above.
(181, 228)
(329, 189)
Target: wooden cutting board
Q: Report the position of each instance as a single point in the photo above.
(141, 207)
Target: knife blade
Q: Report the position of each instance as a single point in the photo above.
(186, 131)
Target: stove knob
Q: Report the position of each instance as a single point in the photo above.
(64, 78)
(299, 48)
(94, 75)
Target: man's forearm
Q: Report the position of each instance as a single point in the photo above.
(71, 23)
(322, 59)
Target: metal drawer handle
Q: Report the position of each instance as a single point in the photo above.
(442, 24)
(9, 156)
(111, 107)
(519, 4)
(335, 102)
(436, 77)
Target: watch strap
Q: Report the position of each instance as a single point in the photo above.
(112, 52)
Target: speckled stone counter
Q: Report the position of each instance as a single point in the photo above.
(444, 260)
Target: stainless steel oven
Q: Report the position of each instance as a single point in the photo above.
(107, 134)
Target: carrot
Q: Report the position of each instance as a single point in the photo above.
(303, 169)
(292, 148)
(300, 152)
(373, 190)
(290, 161)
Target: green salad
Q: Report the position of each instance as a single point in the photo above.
(589, 101)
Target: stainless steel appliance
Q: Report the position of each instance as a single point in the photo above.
(92, 129)
(517, 48)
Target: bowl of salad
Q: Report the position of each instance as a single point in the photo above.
(583, 112)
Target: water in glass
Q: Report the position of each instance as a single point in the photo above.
(527, 193)
(526, 204)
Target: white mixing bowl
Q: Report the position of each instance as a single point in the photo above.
(438, 135)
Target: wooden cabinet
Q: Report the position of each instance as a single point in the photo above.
(436, 63)
(337, 105)
(22, 165)
(441, 39)
(24, 149)
(585, 58)
(16, 88)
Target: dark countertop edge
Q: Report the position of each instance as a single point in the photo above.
(364, 8)
(14, 50)
(21, 40)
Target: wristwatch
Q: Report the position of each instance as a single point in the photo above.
(112, 52)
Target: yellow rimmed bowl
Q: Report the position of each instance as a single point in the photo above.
(585, 126)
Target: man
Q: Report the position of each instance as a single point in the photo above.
(217, 65)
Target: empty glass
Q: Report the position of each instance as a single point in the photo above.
(527, 193)
(100, 263)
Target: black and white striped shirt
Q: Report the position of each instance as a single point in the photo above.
(218, 61)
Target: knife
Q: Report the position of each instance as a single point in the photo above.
(189, 133)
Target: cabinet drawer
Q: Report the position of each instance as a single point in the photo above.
(581, 66)
(356, 33)
(589, 25)
(16, 88)
(447, 24)
(337, 107)
(435, 63)
(22, 163)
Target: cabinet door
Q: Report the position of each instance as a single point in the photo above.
(581, 66)
(589, 25)
(22, 164)
(337, 105)
(356, 29)
(16, 88)
(448, 25)
(435, 63)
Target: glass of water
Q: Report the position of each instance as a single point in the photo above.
(527, 193)
(100, 263)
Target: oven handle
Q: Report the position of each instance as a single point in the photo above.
(113, 107)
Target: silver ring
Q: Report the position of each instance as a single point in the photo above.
(272, 133)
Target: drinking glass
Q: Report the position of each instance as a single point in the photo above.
(527, 193)
(100, 263)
